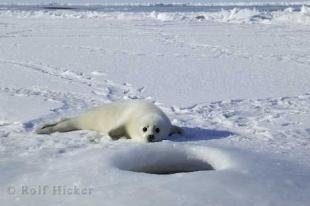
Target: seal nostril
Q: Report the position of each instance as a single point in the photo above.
(150, 138)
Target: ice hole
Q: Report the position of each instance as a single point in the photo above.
(169, 159)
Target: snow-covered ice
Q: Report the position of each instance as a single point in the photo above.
(152, 2)
(236, 80)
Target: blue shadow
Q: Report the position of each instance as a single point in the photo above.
(198, 134)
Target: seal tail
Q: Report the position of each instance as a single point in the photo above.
(65, 125)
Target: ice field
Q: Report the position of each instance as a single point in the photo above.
(236, 79)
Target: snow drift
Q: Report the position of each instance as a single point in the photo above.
(235, 15)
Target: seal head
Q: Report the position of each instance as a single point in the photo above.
(151, 127)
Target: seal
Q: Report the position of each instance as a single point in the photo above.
(139, 120)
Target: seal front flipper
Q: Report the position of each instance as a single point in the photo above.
(118, 132)
(175, 130)
(65, 125)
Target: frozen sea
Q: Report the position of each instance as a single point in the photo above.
(234, 75)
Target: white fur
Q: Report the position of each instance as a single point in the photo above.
(120, 119)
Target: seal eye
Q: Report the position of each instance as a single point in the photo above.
(157, 130)
(144, 129)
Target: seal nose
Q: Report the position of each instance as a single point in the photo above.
(150, 138)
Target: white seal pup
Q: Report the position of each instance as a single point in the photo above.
(135, 119)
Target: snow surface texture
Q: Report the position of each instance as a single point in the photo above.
(237, 81)
(150, 2)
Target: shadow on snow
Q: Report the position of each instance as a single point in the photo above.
(197, 134)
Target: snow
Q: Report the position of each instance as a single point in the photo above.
(152, 2)
(236, 80)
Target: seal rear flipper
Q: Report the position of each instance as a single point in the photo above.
(175, 130)
(46, 129)
(118, 132)
(65, 125)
